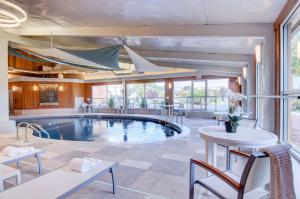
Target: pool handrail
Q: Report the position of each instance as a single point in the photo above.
(19, 125)
(38, 128)
(35, 127)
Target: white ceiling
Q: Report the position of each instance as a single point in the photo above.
(227, 45)
(95, 13)
(231, 45)
(70, 14)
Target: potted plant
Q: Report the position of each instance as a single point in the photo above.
(111, 103)
(143, 103)
(235, 99)
(232, 123)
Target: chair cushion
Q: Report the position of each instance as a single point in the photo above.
(227, 191)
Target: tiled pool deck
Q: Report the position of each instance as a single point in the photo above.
(157, 170)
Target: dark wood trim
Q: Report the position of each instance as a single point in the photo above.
(290, 4)
(283, 14)
(239, 153)
(277, 80)
(218, 173)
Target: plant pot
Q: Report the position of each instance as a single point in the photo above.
(230, 127)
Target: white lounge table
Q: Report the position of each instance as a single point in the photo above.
(16, 159)
(59, 183)
(244, 138)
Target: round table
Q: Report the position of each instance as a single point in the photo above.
(244, 138)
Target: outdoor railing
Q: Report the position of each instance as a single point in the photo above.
(201, 103)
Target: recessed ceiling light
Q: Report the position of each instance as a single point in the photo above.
(11, 15)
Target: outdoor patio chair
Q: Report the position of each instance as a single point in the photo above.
(85, 107)
(95, 107)
(250, 123)
(225, 184)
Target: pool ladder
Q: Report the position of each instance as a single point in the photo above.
(34, 126)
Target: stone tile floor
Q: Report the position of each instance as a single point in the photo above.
(157, 170)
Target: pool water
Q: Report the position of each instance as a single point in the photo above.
(111, 129)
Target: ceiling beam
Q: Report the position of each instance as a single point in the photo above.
(23, 40)
(151, 55)
(231, 30)
(237, 70)
(217, 73)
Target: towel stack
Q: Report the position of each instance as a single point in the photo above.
(83, 165)
(12, 151)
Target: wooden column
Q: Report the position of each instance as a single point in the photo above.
(169, 87)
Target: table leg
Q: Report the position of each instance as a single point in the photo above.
(1, 184)
(211, 157)
(39, 163)
(111, 170)
(211, 153)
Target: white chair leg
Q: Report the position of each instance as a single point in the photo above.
(2, 185)
(18, 179)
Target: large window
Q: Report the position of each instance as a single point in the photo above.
(99, 95)
(148, 95)
(135, 93)
(291, 81)
(201, 94)
(182, 93)
(214, 99)
(102, 94)
(155, 94)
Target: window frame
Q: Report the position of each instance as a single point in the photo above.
(285, 92)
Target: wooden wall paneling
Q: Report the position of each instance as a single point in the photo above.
(20, 63)
(30, 96)
(79, 89)
(25, 97)
(88, 91)
(66, 96)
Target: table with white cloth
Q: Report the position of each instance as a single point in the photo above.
(248, 138)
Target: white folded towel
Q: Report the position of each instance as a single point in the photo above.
(83, 165)
(27, 149)
(12, 151)
(93, 161)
